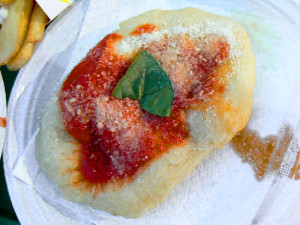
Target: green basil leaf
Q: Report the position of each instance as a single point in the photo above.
(158, 103)
(146, 81)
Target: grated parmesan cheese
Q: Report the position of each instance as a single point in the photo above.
(225, 29)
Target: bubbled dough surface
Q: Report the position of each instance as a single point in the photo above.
(211, 125)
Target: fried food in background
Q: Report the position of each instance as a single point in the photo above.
(14, 29)
(21, 58)
(6, 1)
(23, 26)
(35, 34)
(37, 25)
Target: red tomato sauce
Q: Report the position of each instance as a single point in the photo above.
(117, 136)
(145, 28)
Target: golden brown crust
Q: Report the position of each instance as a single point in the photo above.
(22, 57)
(14, 29)
(37, 24)
(6, 1)
(212, 124)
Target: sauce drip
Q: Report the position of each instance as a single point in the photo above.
(3, 122)
(142, 29)
(117, 137)
(295, 173)
(262, 154)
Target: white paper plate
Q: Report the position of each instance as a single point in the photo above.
(218, 202)
(2, 112)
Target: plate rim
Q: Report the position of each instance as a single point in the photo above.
(8, 173)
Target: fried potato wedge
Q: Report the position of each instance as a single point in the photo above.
(37, 25)
(6, 1)
(22, 57)
(14, 29)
